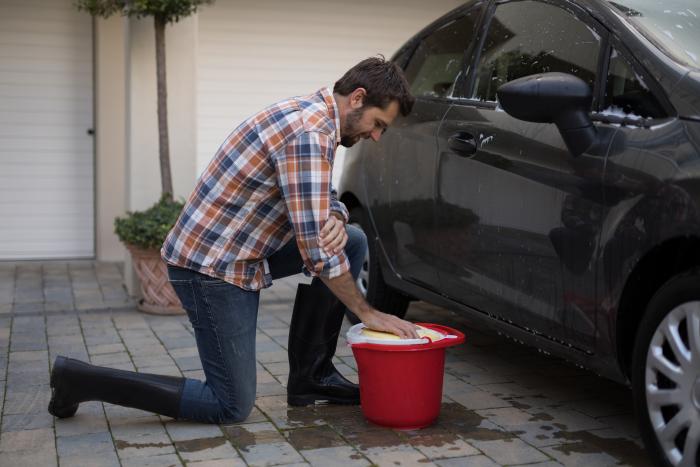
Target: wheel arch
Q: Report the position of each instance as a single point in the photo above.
(350, 200)
(655, 268)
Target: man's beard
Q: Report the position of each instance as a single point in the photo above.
(348, 133)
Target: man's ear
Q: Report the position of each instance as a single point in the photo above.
(357, 98)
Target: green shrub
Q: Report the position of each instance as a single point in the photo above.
(147, 229)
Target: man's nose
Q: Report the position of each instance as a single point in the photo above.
(376, 134)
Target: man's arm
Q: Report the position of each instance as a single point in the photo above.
(344, 288)
(338, 208)
(304, 178)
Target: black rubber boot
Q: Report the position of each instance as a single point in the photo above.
(74, 382)
(313, 335)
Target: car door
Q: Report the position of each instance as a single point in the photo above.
(520, 216)
(643, 157)
(402, 164)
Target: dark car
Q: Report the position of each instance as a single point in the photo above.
(547, 184)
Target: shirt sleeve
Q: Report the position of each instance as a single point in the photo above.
(304, 178)
(338, 206)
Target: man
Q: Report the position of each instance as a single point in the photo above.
(264, 208)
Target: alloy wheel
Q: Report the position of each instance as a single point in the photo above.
(672, 384)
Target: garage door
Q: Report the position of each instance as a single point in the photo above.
(252, 53)
(46, 153)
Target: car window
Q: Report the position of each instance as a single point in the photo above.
(671, 24)
(402, 55)
(529, 37)
(439, 59)
(626, 94)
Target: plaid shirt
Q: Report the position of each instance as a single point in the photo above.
(269, 181)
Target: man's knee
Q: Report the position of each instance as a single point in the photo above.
(237, 411)
(236, 415)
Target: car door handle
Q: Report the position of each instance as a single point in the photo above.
(462, 143)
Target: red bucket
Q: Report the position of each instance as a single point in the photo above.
(401, 385)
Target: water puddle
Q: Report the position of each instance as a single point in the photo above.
(624, 450)
(541, 417)
(456, 418)
(312, 415)
(314, 438)
(120, 444)
(517, 404)
(194, 445)
(259, 433)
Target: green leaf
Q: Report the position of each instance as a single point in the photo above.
(148, 229)
(169, 11)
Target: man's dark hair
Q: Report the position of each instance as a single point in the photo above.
(383, 80)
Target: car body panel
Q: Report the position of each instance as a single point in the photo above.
(612, 206)
(526, 259)
(652, 197)
(686, 93)
(401, 199)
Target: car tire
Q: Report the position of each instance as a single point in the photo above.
(666, 372)
(370, 281)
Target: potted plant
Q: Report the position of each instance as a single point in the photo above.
(144, 232)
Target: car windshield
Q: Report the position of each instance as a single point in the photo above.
(672, 24)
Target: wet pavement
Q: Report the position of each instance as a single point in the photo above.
(503, 403)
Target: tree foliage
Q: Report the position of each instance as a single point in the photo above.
(162, 12)
(148, 229)
(169, 11)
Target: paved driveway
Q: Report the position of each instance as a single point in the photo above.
(504, 404)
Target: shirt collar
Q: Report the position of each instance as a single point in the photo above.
(333, 112)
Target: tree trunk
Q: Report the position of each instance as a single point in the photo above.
(163, 144)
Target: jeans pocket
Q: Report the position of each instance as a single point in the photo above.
(214, 282)
(185, 292)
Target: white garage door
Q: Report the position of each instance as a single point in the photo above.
(254, 52)
(46, 154)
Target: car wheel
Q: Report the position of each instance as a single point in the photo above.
(666, 372)
(370, 281)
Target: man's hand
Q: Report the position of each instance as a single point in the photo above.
(375, 319)
(346, 290)
(333, 236)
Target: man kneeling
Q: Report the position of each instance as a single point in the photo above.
(263, 209)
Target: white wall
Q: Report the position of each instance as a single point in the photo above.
(110, 133)
(143, 181)
(255, 52)
(232, 59)
(237, 56)
(143, 184)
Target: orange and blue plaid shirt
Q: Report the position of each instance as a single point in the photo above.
(269, 181)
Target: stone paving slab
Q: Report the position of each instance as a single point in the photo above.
(503, 404)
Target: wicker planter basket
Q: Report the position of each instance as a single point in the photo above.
(159, 298)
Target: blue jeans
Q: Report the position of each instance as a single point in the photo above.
(224, 319)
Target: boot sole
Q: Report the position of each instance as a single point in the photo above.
(312, 399)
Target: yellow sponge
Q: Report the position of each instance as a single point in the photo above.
(422, 332)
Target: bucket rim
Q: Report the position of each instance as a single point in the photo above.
(440, 344)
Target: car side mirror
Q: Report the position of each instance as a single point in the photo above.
(558, 98)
